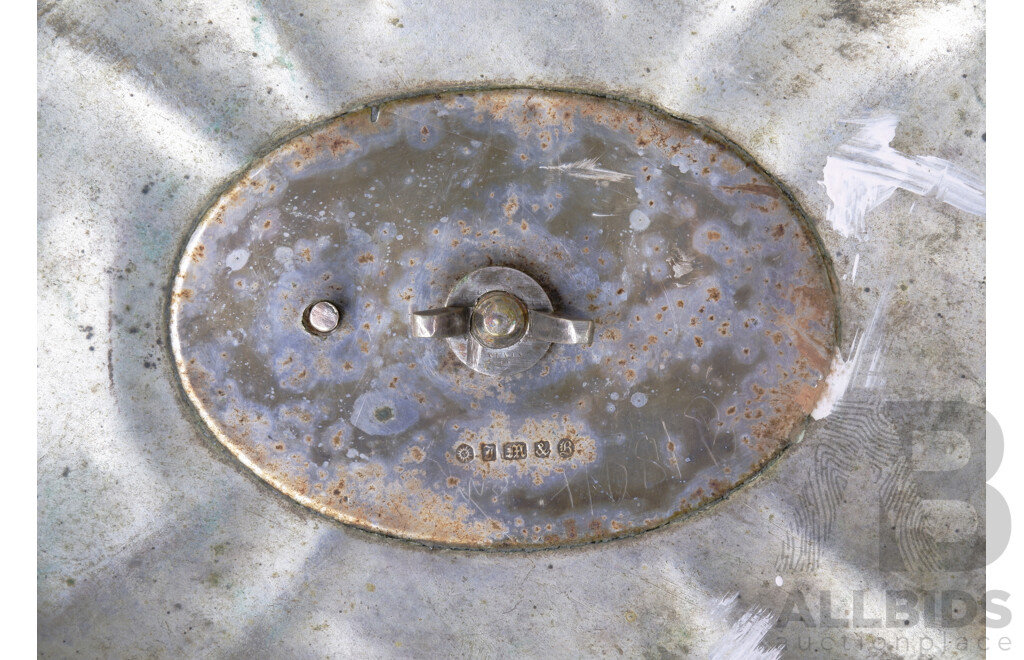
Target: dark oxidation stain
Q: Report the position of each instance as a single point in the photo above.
(868, 14)
(713, 303)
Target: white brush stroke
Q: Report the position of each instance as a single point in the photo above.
(843, 371)
(866, 171)
(743, 641)
(588, 168)
(873, 379)
(838, 380)
(721, 607)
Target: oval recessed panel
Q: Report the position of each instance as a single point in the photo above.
(713, 306)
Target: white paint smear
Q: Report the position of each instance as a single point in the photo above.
(743, 641)
(866, 171)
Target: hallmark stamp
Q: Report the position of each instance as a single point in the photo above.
(513, 451)
(516, 450)
(464, 453)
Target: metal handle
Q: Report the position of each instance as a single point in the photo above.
(556, 330)
(440, 323)
(486, 321)
(499, 333)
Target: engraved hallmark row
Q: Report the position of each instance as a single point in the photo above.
(515, 450)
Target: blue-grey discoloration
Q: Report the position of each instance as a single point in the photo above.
(713, 307)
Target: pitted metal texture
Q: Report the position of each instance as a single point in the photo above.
(714, 311)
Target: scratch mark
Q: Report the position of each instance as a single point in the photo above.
(675, 461)
(588, 168)
(572, 505)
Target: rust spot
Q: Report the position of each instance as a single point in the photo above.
(510, 206)
(756, 188)
(611, 334)
(339, 145)
(718, 487)
(698, 341)
(714, 295)
(365, 258)
(714, 235)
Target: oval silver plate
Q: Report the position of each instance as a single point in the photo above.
(714, 305)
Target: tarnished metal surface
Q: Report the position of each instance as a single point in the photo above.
(155, 542)
(713, 304)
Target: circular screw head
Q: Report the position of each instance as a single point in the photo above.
(499, 319)
(322, 317)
